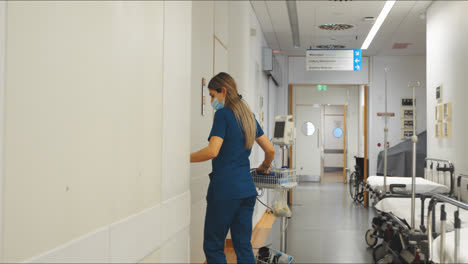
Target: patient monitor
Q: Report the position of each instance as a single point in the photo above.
(285, 132)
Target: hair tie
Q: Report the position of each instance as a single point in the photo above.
(239, 96)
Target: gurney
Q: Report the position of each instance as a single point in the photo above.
(438, 179)
(376, 183)
(438, 218)
(401, 208)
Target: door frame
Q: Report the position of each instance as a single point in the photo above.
(366, 156)
(3, 20)
(365, 122)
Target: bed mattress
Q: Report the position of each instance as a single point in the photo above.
(401, 207)
(449, 247)
(422, 185)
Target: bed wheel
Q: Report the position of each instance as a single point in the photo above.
(379, 253)
(371, 240)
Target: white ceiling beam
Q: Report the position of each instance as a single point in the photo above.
(293, 22)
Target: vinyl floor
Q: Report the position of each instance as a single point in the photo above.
(326, 226)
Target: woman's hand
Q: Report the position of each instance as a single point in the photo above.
(264, 169)
(266, 145)
(209, 152)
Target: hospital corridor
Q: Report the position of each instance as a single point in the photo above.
(257, 131)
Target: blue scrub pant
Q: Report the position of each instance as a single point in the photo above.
(222, 215)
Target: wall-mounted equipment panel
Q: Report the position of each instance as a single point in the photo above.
(407, 124)
(271, 66)
(447, 111)
(438, 112)
(407, 114)
(438, 130)
(406, 102)
(406, 134)
(446, 129)
(439, 93)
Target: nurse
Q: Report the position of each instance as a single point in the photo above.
(231, 193)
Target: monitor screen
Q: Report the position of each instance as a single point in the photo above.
(279, 129)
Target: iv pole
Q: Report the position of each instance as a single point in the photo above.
(283, 220)
(414, 139)
(386, 115)
(385, 136)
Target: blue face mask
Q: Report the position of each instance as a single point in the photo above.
(217, 105)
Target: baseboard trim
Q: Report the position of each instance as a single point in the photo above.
(128, 240)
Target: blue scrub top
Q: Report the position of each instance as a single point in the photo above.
(231, 178)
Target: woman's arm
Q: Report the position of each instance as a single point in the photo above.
(209, 152)
(269, 150)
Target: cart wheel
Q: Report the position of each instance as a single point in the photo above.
(352, 185)
(360, 197)
(379, 253)
(386, 259)
(371, 240)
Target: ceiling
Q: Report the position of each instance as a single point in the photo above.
(405, 24)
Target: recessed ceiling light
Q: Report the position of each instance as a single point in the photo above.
(369, 18)
(401, 45)
(380, 19)
(336, 26)
(331, 46)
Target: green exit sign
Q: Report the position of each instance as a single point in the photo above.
(322, 87)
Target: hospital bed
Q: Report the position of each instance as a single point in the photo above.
(400, 242)
(438, 179)
(448, 244)
(401, 207)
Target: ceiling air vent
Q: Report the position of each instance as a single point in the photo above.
(336, 27)
(401, 45)
(330, 46)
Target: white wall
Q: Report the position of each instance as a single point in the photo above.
(402, 69)
(446, 64)
(203, 54)
(2, 114)
(91, 91)
(282, 92)
(176, 123)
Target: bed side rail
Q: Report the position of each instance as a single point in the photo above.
(437, 198)
(443, 166)
(459, 180)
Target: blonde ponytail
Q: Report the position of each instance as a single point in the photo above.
(238, 106)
